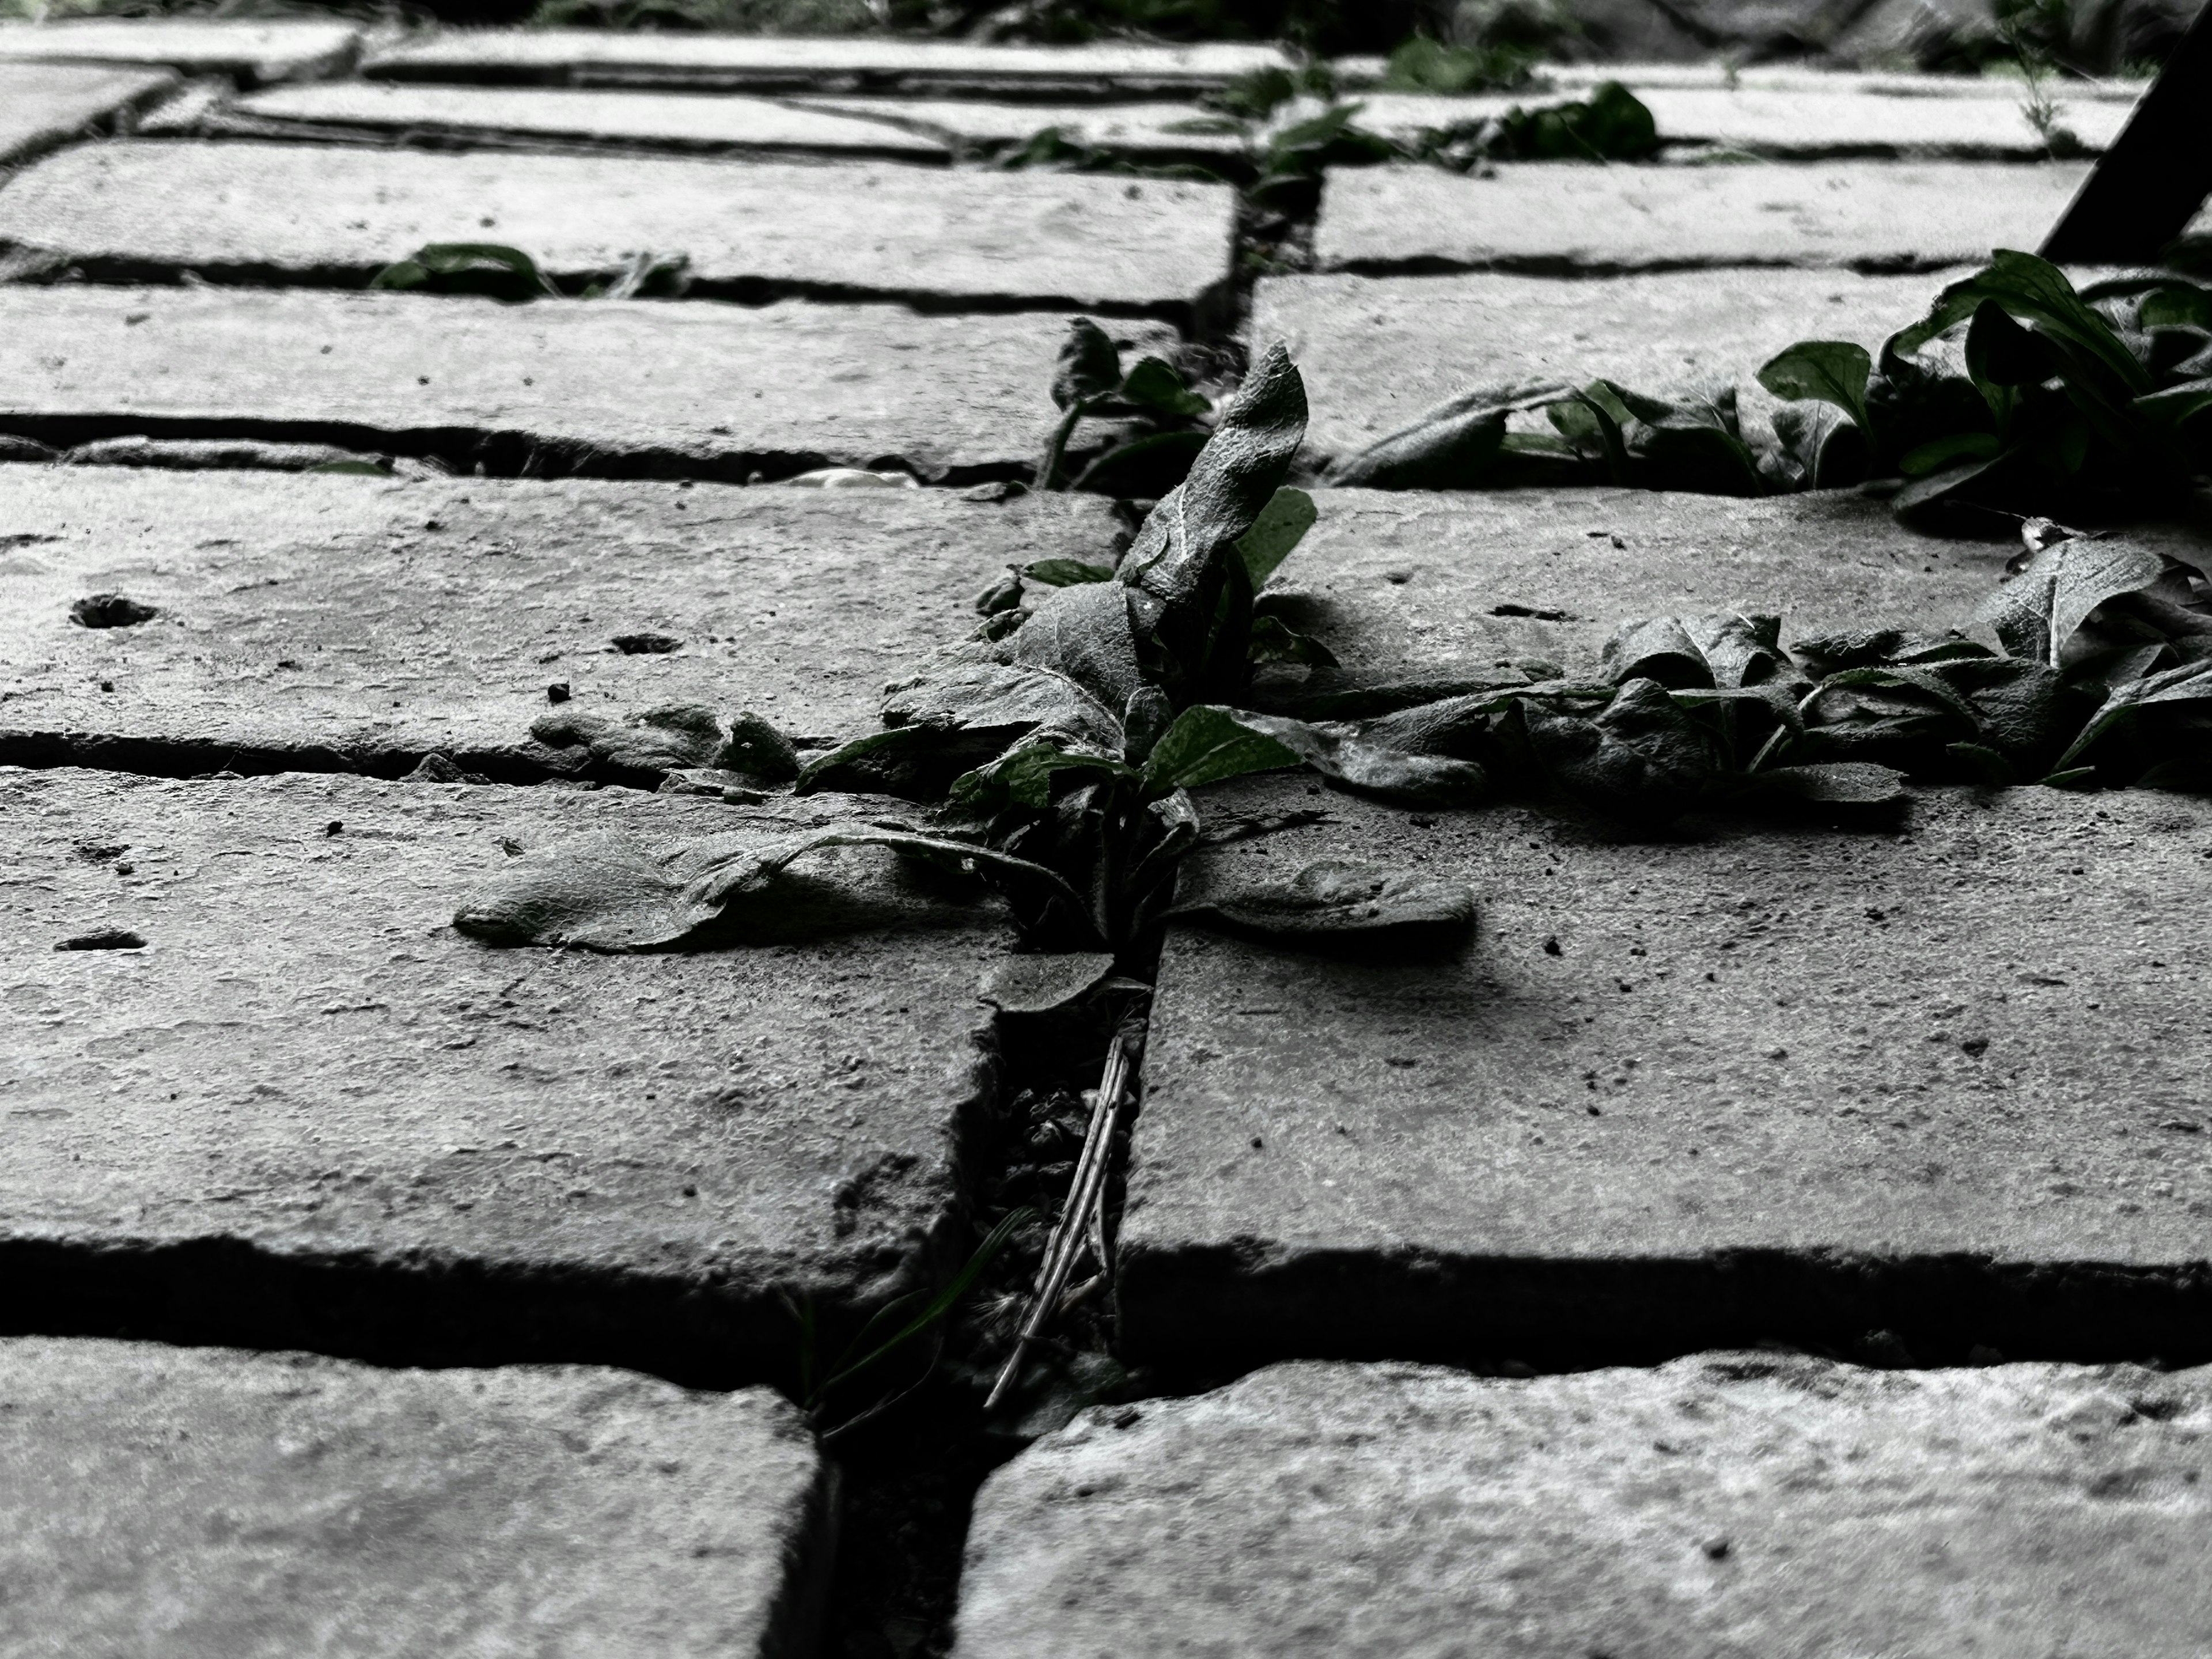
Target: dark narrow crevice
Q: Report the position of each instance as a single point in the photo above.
(1563, 268)
(158, 757)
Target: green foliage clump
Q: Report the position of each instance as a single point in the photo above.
(496, 271)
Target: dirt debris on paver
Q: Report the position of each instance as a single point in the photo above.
(1377, 352)
(608, 386)
(46, 105)
(319, 622)
(1745, 1080)
(251, 50)
(277, 212)
(1721, 1507)
(207, 1502)
(1867, 215)
(308, 1112)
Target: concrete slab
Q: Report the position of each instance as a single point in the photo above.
(1377, 352)
(292, 213)
(1560, 218)
(309, 1112)
(205, 1502)
(660, 120)
(1731, 1504)
(1155, 134)
(611, 388)
(319, 623)
(1746, 1082)
(850, 64)
(44, 105)
(252, 52)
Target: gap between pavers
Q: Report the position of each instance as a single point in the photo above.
(1378, 351)
(250, 52)
(1715, 74)
(309, 1113)
(656, 119)
(606, 388)
(854, 64)
(328, 623)
(208, 1503)
(43, 106)
(1151, 134)
(1730, 1506)
(1564, 218)
(328, 215)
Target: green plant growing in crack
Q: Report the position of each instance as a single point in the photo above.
(496, 271)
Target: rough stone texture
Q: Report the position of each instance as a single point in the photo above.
(630, 387)
(43, 105)
(252, 51)
(1140, 133)
(1870, 215)
(1733, 1506)
(1791, 121)
(1410, 582)
(1377, 352)
(635, 117)
(292, 211)
(314, 623)
(1742, 1082)
(206, 1503)
(309, 1113)
(865, 63)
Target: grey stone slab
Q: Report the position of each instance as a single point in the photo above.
(326, 622)
(251, 51)
(309, 1113)
(1748, 1081)
(44, 105)
(1721, 1507)
(288, 213)
(863, 63)
(1152, 133)
(629, 387)
(1868, 216)
(1377, 351)
(208, 1503)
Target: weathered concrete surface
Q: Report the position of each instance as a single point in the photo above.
(211, 1505)
(1414, 582)
(321, 622)
(309, 1113)
(1789, 121)
(1377, 352)
(269, 50)
(1869, 216)
(1747, 1081)
(43, 105)
(1151, 133)
(854, 64)
(633, 388)
(294, 212)
(663, 119)
(1732, 1506)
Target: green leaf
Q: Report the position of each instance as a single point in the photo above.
(1451, 446)
(1641, 759)
(2178, 404)
(1827, 449)
(2000, 352)
(1089, 365)
(1143, 466)
(1207, 744)
(1833, 371)
(1023, 776)
(1065, 573)
(490, 268)
(1281, 525)
(2034, 614)
(1334, 900)
(2030, 290)
(1346, 756)
(2190, 682)
(939, 1306)
(1836, 783)
(1941, 453)
(1152, 383)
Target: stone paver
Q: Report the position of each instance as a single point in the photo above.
(629, 387)
(1153, 134)
(1714, 75)
(1377, 352)
(878, 63)
(1870, 215)
(310, 1113)
(294, 212)
(1791, 121)
(318, 622)
(269, 50)
(1733, 1506)
(662, 119)
(212, 1505)
(43, 105)
(1743, 1082)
